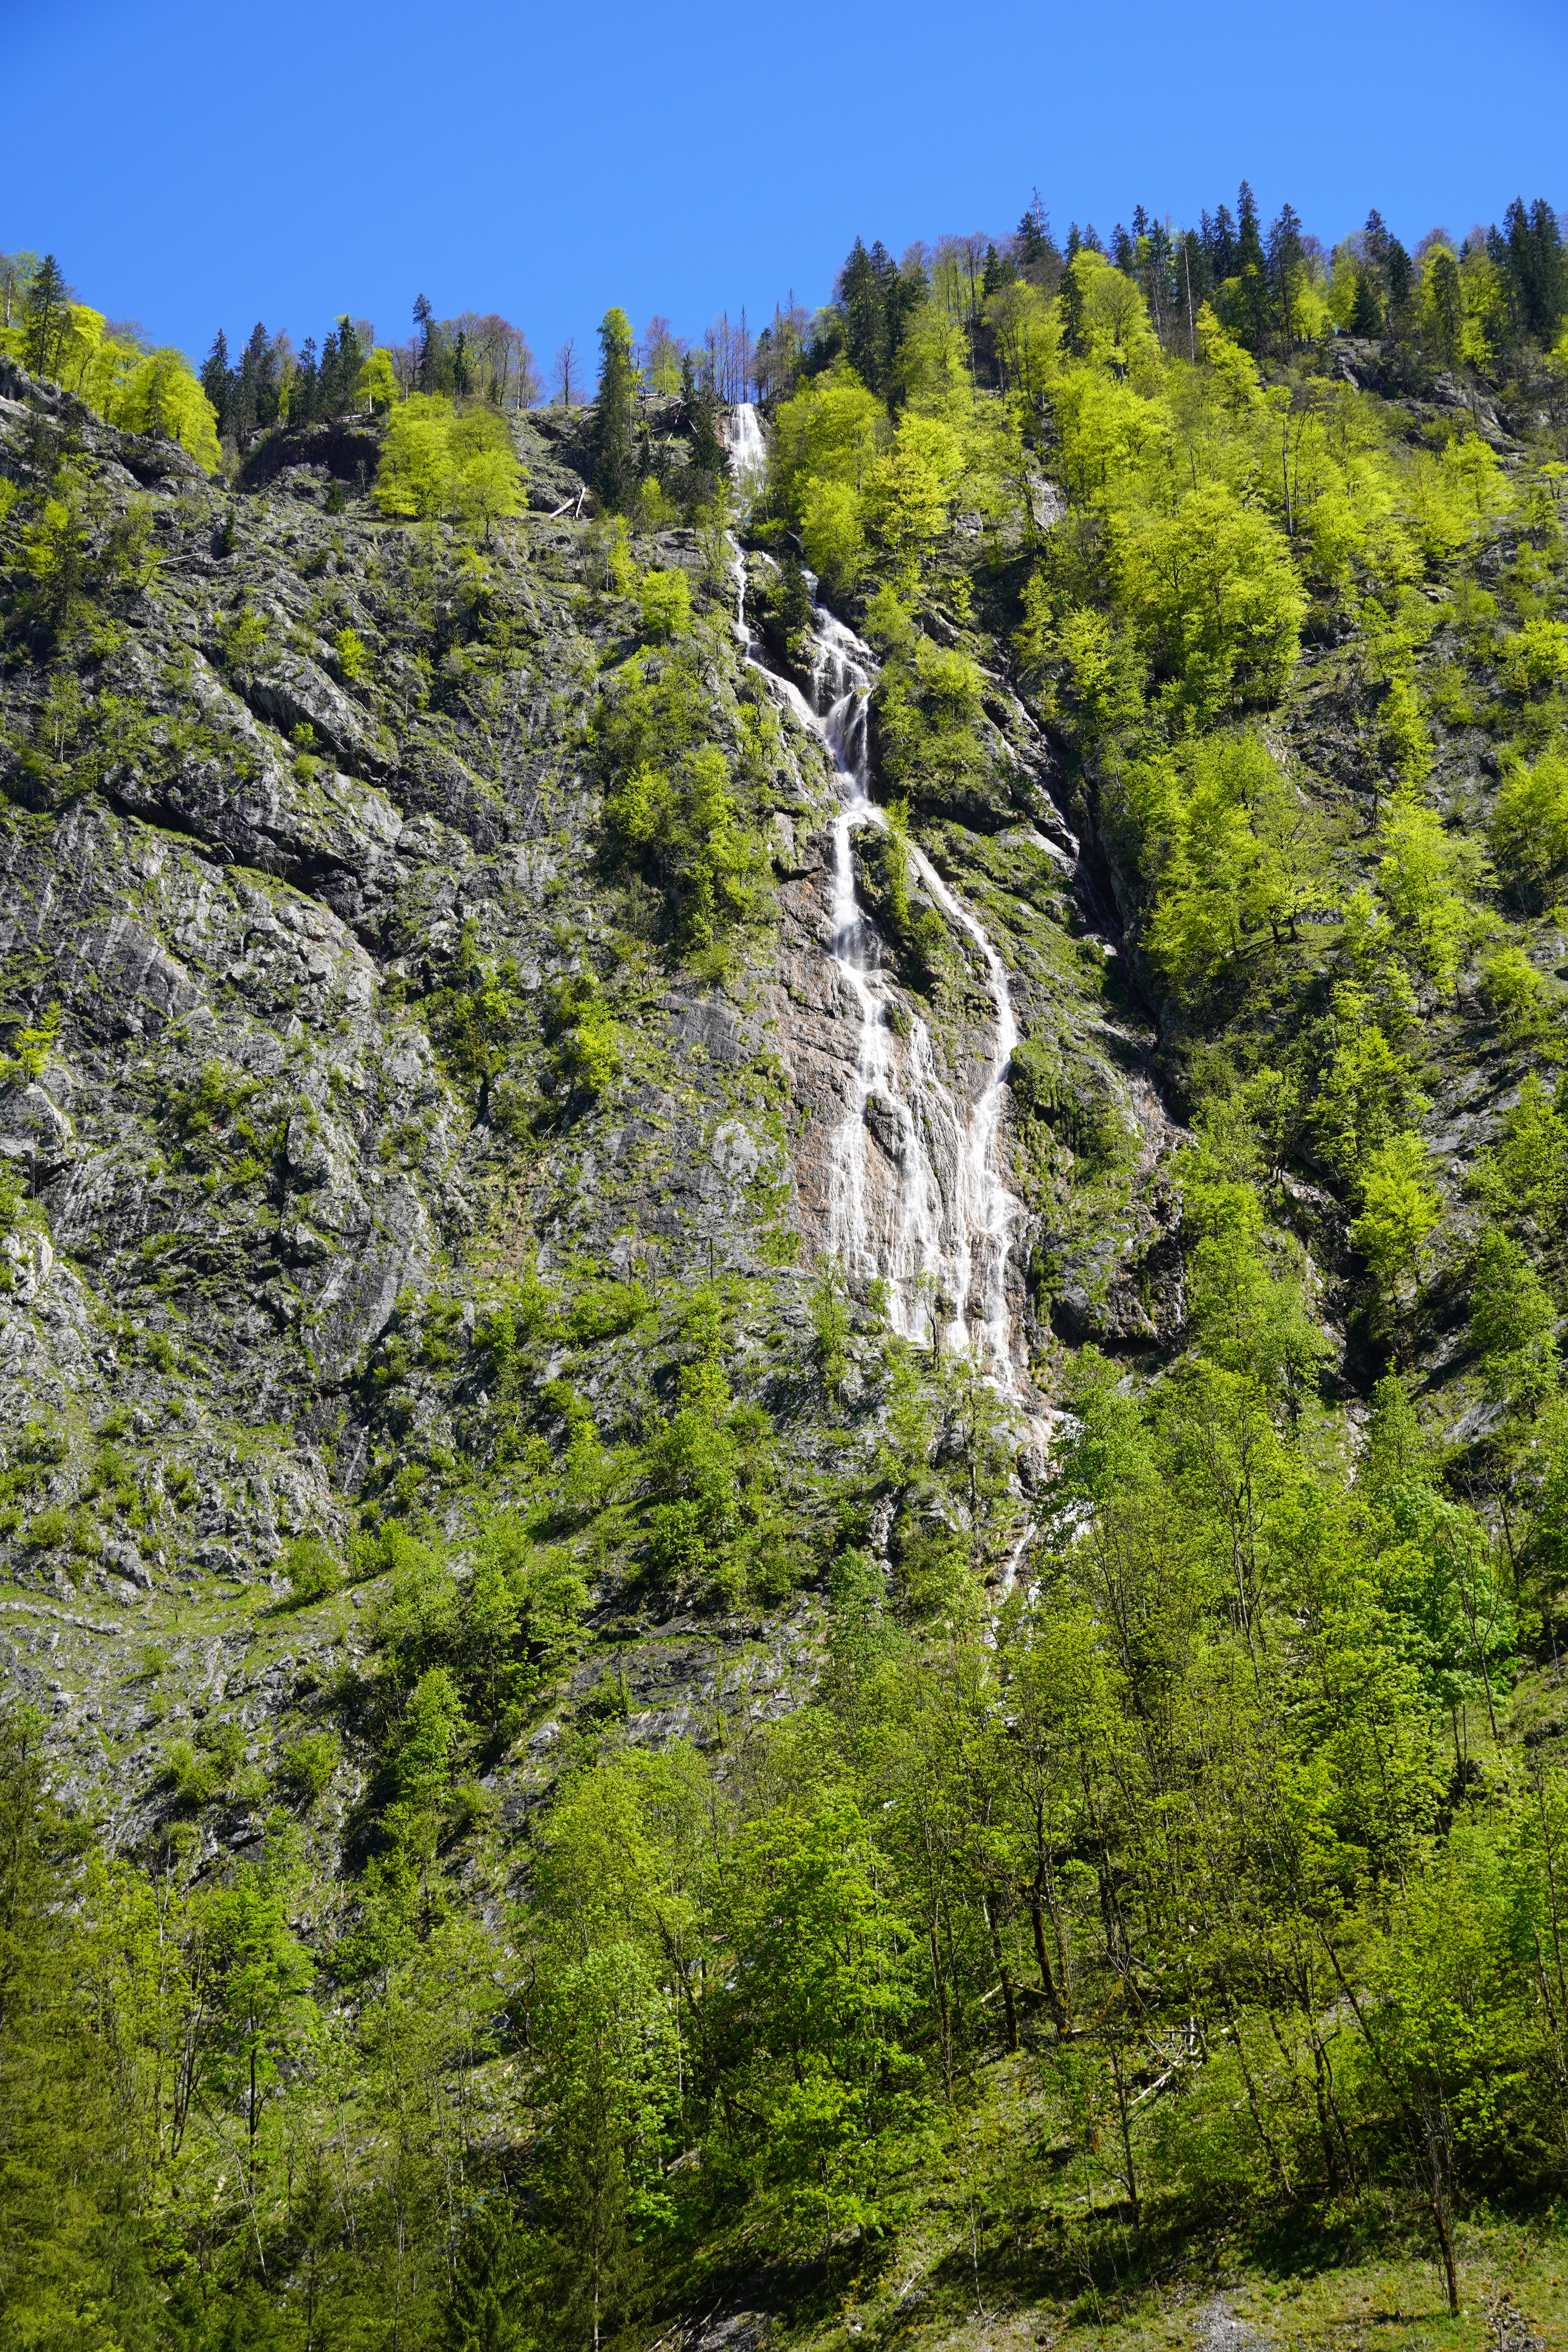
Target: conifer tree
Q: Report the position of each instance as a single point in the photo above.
(303, 401)
(46, 314)
(217, 381)
(1219, 245)
(859, 298)
(615, 470)
(1252, 269)
(1367, 318)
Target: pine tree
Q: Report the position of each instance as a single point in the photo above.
(1028, 241)
(340, 361)
(1397, 272)
(998, 272)
(1071, 299)
(429, 343)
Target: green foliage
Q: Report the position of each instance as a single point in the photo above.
(587, 1050)
(666, 602)
(614, 470)
(163, 398)
(1513, 1323)
(670, 806)
(1399, 1209)
(1530, 821)
(438, 460)
(311, 1569)
(1239, 857)
(351, 654)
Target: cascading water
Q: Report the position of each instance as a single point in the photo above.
(941, 1220)
(748, 450)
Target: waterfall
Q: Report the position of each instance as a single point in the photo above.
(748, 450)
(925, 1206)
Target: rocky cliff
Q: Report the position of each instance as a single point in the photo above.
(373, 1133)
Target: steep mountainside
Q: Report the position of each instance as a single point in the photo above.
(782, 1467)
(329, 1209)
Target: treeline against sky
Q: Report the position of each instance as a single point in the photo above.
(1474, 301)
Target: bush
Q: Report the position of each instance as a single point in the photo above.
(351, 654)
(189, 1775)
(308, 1763)
(49, 1530)
(472, 1805)
(311, 1569)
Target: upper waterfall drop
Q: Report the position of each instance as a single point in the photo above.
(933, 1212)
(748, 448)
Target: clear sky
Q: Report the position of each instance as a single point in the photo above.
(193, 165)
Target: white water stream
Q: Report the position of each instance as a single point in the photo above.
(926, 1206)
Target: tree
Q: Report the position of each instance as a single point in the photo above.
(1367, 316)
(614, 467)
(60, 2175)
(217, 381)
(434, 360)
(1251, 269)
(262, 1973)
(1512, 1322)
(163, 398)
(376, 382)
(1422, 876)
(434, 461)
(1537, 268)
(611, 2066)
(45, 316)
(1399, 1210)
(565, 372)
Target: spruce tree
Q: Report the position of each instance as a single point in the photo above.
(1284, 259)
(615, 468)
(217, 381)
(859, 300)
(303, 402)
(430, 340)
(47, 315)
(1252, 269)
(1397, 271)
(1537, 268)
(1366, 316)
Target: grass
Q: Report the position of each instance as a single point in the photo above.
(1388, 2301)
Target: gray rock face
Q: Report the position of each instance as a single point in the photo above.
(285, 1153)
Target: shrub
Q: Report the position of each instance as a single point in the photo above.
(189, 1775)
(308, 1763)
(351, 654)
(311, 1569)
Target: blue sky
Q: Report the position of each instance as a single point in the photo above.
(193, 167)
